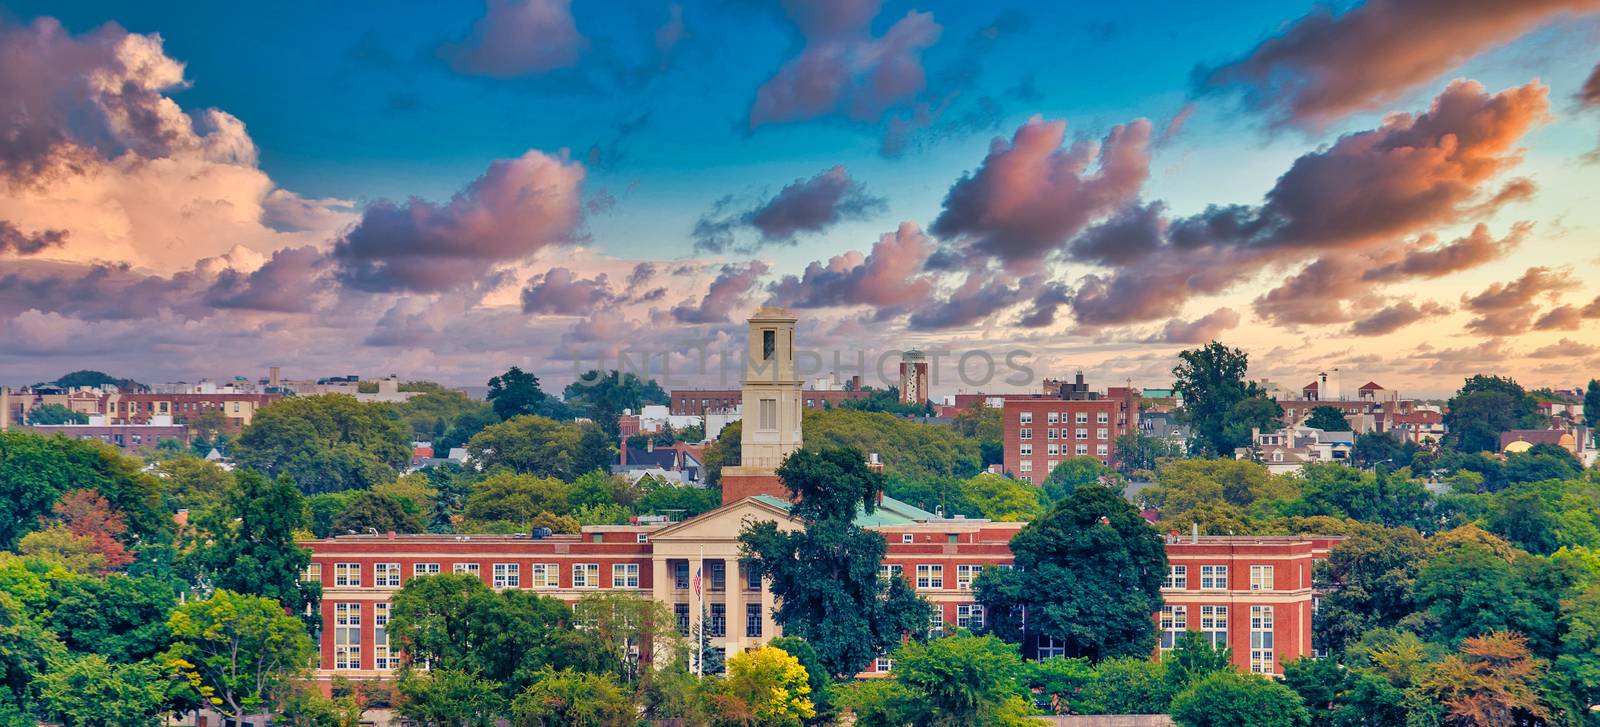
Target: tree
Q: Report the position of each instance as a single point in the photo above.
(1192, 658)
(764, 687)
(1002, 498)
(35, 471)
(89, 691)
(1137, 451)
(1484, 407)
(516, 498)
(1492, 681)
(1075, 472)
(1328, 419)
(1088, 574)
(455, 623)
(877, 703)
(248, 546)
(119, 617)
(602, 396)
(962, 680)
(516, 393)
(1230, 699)
(1367, 583)
(1542, 461)
(908, 448)
(26, 650)
(1591, 404)
(1211, 381)
(825, 577)
(447, 418)
(450, 698)
(192, 483)
(63, 549)
(1127, 685)
(1374, 448)
(52, 414)
(622, 633)
(372, 511)
(238, 651)
(86, 514)
(92, 379)
(1320, 684)
(567, 697)
(542, 446)
(984, 424)
(327, 443)
(822, 687)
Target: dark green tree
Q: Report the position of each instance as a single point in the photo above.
(1374, 448)
(1367, 582)
(48, 414)
(542, 446)
(372, 511)
(247, 545)
(962, 680)
(601, 396)
(86, 690)
(1211, 380)
(455, 623)
(1192, 658)
(89, 378)
(1136, 451)
(1328, 419)
(1591, 404)
(1541, 462)
(826, 575)
(451, 698)
(1088, 574)
(1484, 407)
(1231, 699)
(1075, 472)
(326, 443)
(35, 471)
(516, 393)
(1320, 683)
(121, 618)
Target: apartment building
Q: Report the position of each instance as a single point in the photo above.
(1043, 429)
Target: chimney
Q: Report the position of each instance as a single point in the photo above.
(624, 450)
(1194, 533)
(650, 444)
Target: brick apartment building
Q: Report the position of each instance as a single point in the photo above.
(1252, 593)
(1067, 421)
(130, 438)
(139, 408)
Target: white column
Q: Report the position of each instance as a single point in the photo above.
(735, 600)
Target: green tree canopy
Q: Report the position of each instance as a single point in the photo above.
(48, 414)
(1088, 574)
(238, 651)
(457, 624)
(1328, 419)
(89, 691)
(450, 698)
(1211, 380)
(569, 698)
(537, 445)
(1075, 472)
(247, 545)
(516, 393)
(962, 680)
(826, 575)
(372, 511)
(764, 687)
(602, 396)
(35, 471)
(1230, 699)
(326, 443)
(1484, 407)
(909, 448)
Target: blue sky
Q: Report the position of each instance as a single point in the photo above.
(356, 101)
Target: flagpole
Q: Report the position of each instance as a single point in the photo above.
(700, 614)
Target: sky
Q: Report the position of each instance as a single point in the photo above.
(1403, 190)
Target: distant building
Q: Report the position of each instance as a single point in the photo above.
(678, 463)
(1164, 425)
(1288, 450)
(1575, 440)
(913, 377)
(130, 438)
(1041, 430)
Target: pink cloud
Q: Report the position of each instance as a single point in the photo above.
(516, 208)
(843, 69)
(518, 38)
(886, 278)
(1324, 67)
(1030, 195)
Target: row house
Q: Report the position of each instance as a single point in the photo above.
(1253, 593)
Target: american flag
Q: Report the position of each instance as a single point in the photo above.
(696, 580)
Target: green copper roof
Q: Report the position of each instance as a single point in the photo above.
(889, 512)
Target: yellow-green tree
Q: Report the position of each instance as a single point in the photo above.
(238, 652)
(765, 687)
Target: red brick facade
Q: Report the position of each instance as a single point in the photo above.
(1254, 594)
(1041, 431)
